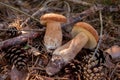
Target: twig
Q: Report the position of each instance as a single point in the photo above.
(48, 1)
(24, 30)
(59, 78)
(68, 9)
(80, 2)
(39, 12)
(113, 70)
(91, 11)
(18, 40)
(101, 33)
(19, 11)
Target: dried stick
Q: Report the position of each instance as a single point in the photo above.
(91, 11)
(80, 2)
(101, 34)
(18, 40)
(38, 13)
(18, 10)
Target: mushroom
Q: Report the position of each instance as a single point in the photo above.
(84, 35)
(53, 34)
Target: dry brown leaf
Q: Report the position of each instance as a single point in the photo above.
(17, 75)
(114, 51)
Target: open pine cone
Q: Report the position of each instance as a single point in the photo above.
(86, 67)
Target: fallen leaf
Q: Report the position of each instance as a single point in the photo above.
(114, 51)
(18, 75)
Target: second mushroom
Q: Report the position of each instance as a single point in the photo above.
(84, 36)
(53, 34)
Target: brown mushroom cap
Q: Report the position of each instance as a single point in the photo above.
(89, 31)
(52, 17)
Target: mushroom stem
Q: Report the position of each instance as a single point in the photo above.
(76, 45)
(53, 35)
(65, 53)
(70, 50)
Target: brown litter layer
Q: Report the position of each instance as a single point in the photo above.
(69, 8)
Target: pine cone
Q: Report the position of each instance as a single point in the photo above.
(12, 32)
(73, 69)
(16, 56)
(92, 68)
(87, 67)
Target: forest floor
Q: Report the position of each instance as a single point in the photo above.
(25, 15)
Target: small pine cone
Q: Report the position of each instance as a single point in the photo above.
(91, 67)
(73, 69)
(16, 56)
(12, 32)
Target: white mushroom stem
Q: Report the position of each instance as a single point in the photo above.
(70, 49)
(53, 35)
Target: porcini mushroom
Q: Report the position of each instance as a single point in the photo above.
(84, 35)
(53, 34)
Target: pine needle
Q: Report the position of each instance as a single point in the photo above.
(24, 30)
(19, 11)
